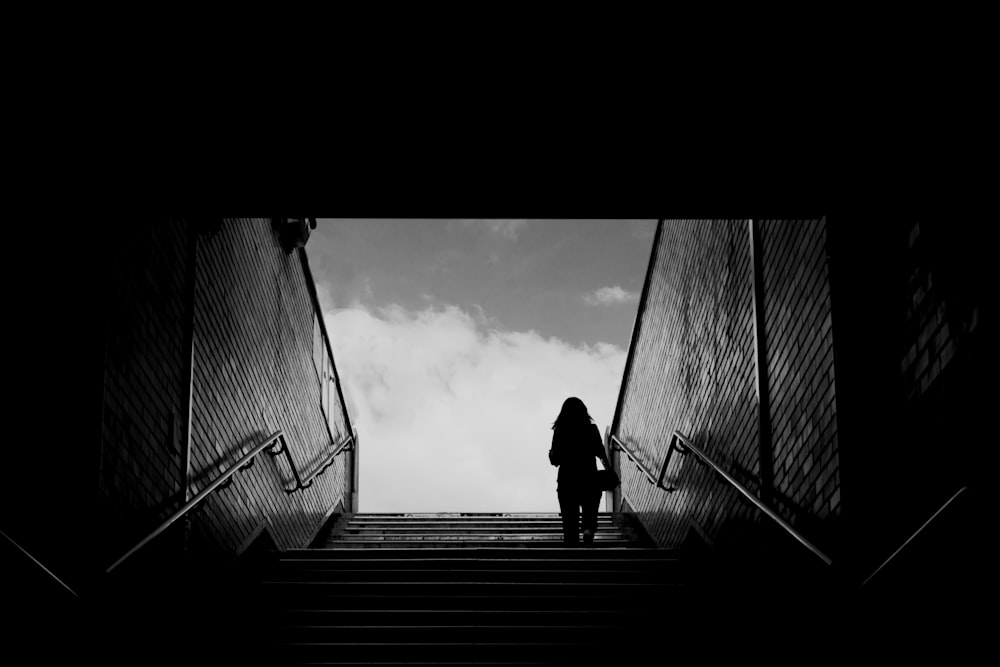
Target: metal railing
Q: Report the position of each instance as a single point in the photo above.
(621, 446)
(39, 564)
(345, 446)
(225, 479)
(684, 446)
(915, 535)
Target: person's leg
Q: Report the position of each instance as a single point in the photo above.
(590, 503)
(569, 509)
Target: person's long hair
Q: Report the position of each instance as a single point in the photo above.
(573, 412)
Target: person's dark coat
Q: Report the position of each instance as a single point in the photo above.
(575, 449)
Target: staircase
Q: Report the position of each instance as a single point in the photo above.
(496, 589)
(473, 530)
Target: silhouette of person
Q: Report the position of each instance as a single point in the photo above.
(576, 442)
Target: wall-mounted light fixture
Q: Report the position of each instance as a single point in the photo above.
(294, 232)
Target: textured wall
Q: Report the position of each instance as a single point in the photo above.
(694, 370)
(800, 369)
(255, 372)
(144, 391)
(260, 364)
(932, 332)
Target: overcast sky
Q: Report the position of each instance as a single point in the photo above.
(458, 340)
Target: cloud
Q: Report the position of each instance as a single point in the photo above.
(644, 230)
(610, 295)
(505, 229)
(453, 417)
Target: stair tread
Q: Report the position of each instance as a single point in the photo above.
(439, 643)
(470, 514)
(469, 570)
(441, 612)
(464, 588)
(475, 533)
(562, 550)
(469, 521)
(488, 530)
(454, 561)
(441, 627)
(348, 584)
(484, 517)
(444, 552)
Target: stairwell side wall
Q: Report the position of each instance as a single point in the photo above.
(146, 312)
(798, 326)
(260, 363)
(692, 371)
(695, 371)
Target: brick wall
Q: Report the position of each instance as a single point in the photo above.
(255, 373)
(800, 370)
(932, 331)
(145, 392)
(256, 347)
(876, 348)
(694, 370)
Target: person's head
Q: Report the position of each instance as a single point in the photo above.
(573, 412)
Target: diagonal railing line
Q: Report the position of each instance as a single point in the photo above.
(916, 534)
(682, 444)
(346, 445)
(39, 564)
(621, 446)
(272, 441)
(247, 458)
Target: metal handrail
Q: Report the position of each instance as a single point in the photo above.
(291, 464)
(327, 462)
(39, 564)
(345, 446)
(914, 535)
(247, 459)
(225, 479)
(687, 446)
(615, 442)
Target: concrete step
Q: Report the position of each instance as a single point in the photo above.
(394, 634)
(486, 523)
(282, 599)
(472, 530)
(435, 652)
(550, 516)
(280, 596)
(284, 660)
(491, 535)
(416, 544)
(585, 650)
(486, 535)
(493, 551)
(466, 588)
(414, 562)
(481, 575)
(466, 530)
(431, 618)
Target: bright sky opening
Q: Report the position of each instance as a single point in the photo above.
(457, 341)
